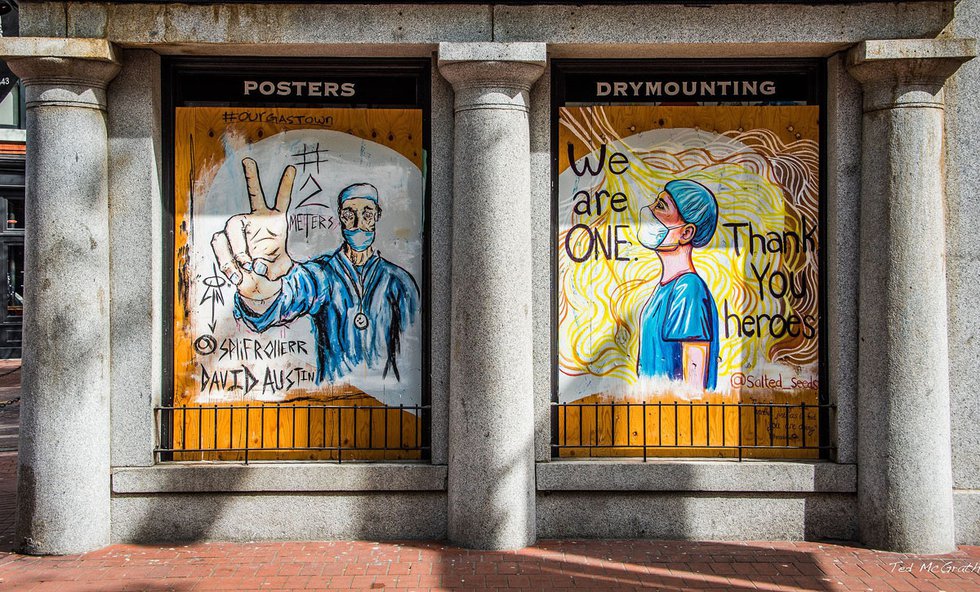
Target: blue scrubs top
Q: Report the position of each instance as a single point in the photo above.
(333, 291)
(678, 311)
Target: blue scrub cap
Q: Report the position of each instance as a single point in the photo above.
(697, 206)
(361, 190)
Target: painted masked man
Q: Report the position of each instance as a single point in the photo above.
(360, 304)
(679, 323)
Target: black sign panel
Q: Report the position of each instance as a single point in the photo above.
(297, 86)
(688, 82)
(666, 87)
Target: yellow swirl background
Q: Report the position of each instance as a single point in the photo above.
(761, 162)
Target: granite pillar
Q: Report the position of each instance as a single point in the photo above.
(63, 473)
(491, 403)
(904, 472)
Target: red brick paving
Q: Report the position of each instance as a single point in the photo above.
(549, 565)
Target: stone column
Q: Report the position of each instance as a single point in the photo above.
(904, 474)
(491, 404)
(63, 476)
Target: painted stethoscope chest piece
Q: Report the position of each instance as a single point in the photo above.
(361, 320)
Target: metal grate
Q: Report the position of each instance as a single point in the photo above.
(284, 431)
(693, 429)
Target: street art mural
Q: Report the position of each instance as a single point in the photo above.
(687, 251)
(297, 266)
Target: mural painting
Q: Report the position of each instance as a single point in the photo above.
(298, 259)
(687, 252)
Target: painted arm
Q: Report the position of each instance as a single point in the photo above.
(408, 302)
(690, 321)
(302, 291)
(695, 363)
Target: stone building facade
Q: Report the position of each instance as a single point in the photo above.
(899, 345)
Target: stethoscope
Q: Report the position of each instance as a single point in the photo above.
(361, 321)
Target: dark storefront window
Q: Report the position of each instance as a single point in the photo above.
(12, 255)
(689, 217)
(15, 280)
(11, 103)
(299, 275)
(11, 196)
(15, 214)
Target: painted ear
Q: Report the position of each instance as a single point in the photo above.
(687, 233)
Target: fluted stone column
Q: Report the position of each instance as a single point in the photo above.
(63, 476)
(491, 407)
(904, 472)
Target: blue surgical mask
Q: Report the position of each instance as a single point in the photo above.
(652, 232)
(358, 239)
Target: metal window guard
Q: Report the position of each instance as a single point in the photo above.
(277, 431)
(738, 430)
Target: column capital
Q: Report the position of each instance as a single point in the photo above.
(67, 72)
(907, 72)
(492, 75)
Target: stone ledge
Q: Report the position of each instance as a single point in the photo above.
(912, 49)
(757, 25)
(98, 50)
(529, 52)
(275, 477)
(697, 475)
(271, 24)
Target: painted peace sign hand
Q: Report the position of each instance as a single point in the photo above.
(251, 250)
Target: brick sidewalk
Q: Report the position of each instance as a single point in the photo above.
(549, 565)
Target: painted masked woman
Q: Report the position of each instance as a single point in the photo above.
(679, 323)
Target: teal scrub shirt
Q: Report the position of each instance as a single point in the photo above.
(681, 310)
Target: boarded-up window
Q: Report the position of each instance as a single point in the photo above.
(299, 195)
(688, 250)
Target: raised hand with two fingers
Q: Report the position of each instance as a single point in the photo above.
(251, 250)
